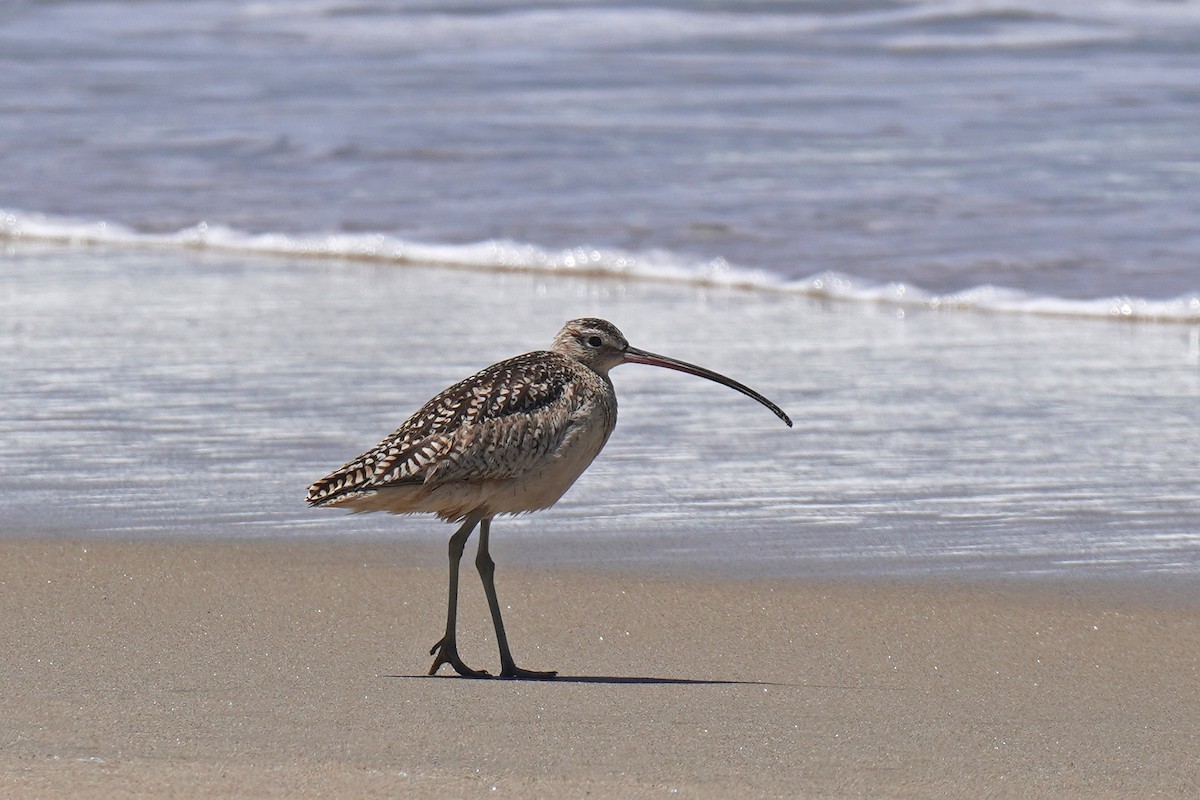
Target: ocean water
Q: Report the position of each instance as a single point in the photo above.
(957, 240)
(171, 393)
(1030, 155)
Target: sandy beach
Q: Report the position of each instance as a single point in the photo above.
(297, 669)
(241, 243)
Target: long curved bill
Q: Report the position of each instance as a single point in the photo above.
(636, 356)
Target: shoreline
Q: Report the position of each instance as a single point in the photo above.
(297, 669)
(622, 558)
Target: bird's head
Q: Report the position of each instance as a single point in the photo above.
(595, 343)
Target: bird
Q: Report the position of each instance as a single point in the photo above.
(508, 440)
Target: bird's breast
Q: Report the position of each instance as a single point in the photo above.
(592, 417)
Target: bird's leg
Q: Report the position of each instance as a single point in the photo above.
(487, 571)
(446, 649)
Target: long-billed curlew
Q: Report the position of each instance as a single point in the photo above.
(507, 440)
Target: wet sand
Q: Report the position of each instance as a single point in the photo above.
(296, 669)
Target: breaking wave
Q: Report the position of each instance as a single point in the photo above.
(652, 265)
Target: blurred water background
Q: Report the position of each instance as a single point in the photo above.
(956, 240)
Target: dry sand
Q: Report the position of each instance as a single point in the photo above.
(277, 669)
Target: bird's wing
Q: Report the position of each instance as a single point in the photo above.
(492, 425)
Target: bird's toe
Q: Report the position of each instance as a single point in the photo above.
(513, 672)
(447, 653)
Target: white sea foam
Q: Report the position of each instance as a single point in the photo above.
(655, 265)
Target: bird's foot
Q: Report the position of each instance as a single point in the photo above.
(447, 653)
(513, 672)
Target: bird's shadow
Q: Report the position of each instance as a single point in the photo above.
(612, 680)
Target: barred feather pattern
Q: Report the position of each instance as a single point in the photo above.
(501, 423)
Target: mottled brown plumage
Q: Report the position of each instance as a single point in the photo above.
(462, 451)
(508, 440)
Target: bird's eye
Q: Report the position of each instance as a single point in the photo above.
(594, 341)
